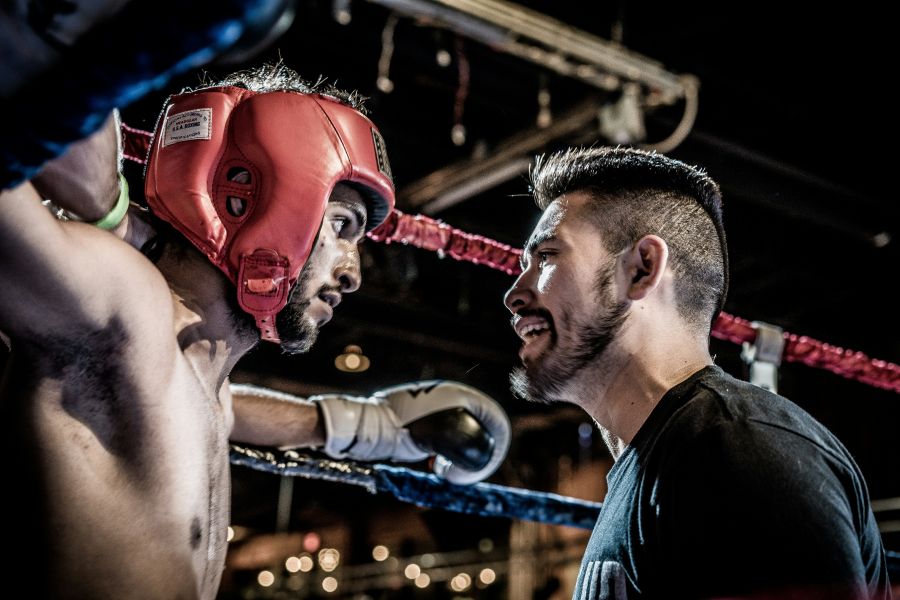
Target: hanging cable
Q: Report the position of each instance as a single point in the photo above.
(384, 82)
(442, 56)
(544, 116)
(691, 87)
(458, 132)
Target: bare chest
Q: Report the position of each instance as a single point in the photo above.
(124, 467)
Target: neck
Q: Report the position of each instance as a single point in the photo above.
(634, 377)
(211, 336)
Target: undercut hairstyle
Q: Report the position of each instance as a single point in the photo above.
(636, 193)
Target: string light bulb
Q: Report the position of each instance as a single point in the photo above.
(458, 132)
(544, 116)
(340, 10)
(352, 360)
(383, 82)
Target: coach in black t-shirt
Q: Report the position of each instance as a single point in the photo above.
(720, 488)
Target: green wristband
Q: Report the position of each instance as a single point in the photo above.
(118, 212)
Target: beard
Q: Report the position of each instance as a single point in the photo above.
(296, 332)
(544, 380)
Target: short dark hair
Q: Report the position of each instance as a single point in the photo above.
(636, 193)
(278, 77)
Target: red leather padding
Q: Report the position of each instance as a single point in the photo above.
(296, 147)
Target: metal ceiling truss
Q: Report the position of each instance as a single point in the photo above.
(513, 29)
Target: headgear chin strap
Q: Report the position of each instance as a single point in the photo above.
(295, 147)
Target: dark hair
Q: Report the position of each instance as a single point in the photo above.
(278, 77)
(636, 193)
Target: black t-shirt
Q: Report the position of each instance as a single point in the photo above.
(729, 490)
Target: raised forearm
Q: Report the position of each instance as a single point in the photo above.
(466, 431)
(266, 417)
(84, 181)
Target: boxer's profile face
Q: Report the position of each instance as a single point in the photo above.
(564, 303)
(331, 271)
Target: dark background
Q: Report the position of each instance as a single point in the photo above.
(796, 122)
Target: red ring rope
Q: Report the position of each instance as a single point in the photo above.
(430, 234)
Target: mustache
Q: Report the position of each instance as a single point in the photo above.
(297, 300)
(329, 288)
(531, 312)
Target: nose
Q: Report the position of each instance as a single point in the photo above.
(347, 271)
(519, 294)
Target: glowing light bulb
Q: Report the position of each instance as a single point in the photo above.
(380, 553)
(265, 578)
(487, 576)
(412, 571)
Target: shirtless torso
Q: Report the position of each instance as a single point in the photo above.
(115, 403)
(116, 408)
(118, 444)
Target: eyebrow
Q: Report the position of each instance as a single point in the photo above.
(543, 237)
(356, 208)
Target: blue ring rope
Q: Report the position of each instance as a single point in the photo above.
(425, 489)
(430, 491)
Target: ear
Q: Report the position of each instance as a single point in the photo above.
(645, 263)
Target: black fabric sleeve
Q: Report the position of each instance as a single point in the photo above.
(751, 510)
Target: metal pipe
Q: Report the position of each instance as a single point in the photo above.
(506, 27)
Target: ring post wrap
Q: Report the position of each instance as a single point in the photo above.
(296, 148)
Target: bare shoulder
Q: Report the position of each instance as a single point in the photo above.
(71, 281)
(117, 303)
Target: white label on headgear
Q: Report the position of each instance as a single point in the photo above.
(189, 125)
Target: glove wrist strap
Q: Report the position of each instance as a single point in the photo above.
(341, 419)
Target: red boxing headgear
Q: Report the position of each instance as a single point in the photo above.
(296, 147)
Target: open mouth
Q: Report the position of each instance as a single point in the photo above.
(322, 310)
(531, 327)
(535, 331)
(332, 299)
(532, 331)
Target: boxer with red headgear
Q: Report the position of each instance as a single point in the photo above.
(116, 399)
(246, 177)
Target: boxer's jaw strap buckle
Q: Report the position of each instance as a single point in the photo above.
(261, 286)
(267, 331)
(263, 289)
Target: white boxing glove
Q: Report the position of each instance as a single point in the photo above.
(467, 431)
